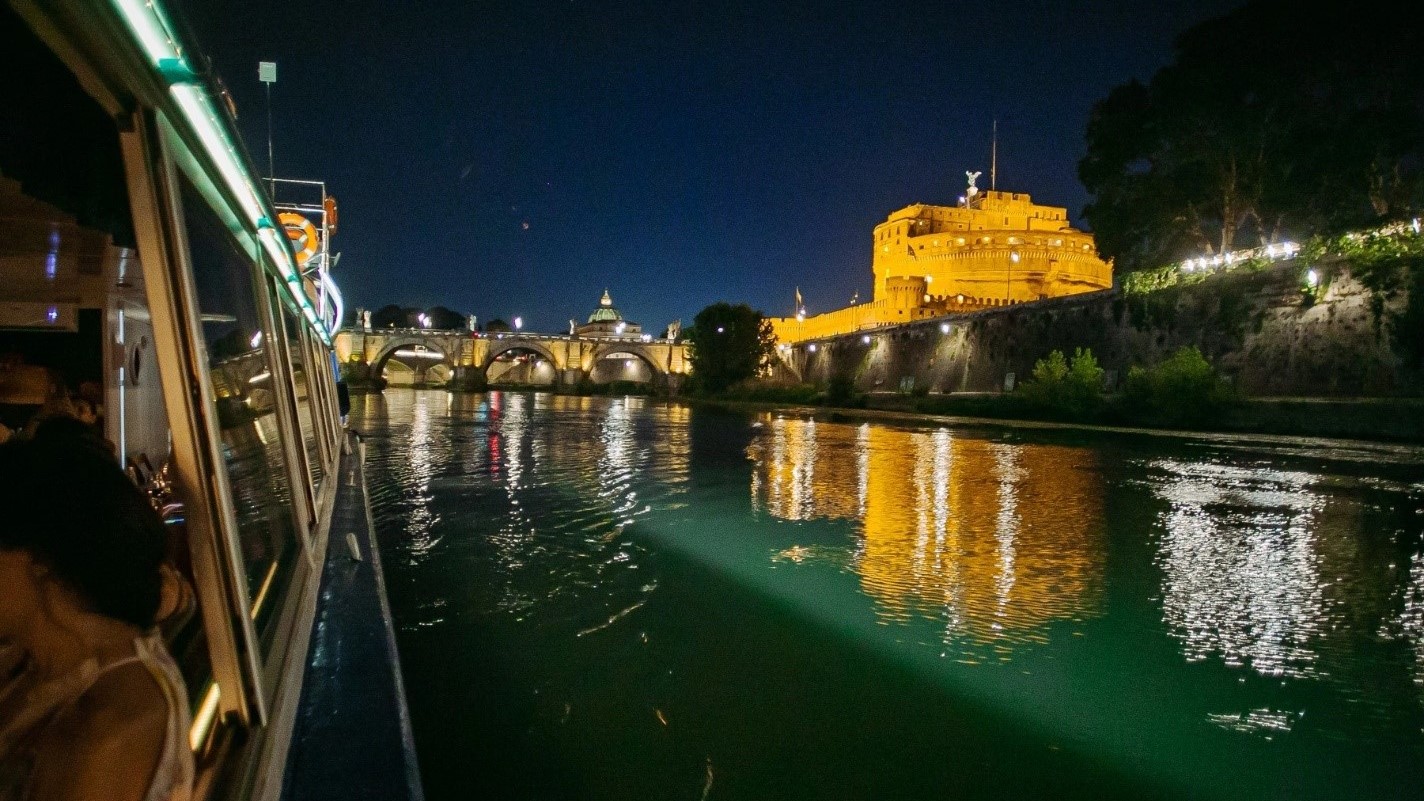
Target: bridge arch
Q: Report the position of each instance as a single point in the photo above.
(392, 349)
(543, 370)
(621, 361)
(499, 347)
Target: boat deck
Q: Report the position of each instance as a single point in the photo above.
(352, 737)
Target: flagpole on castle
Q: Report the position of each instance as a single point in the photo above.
(994, 157)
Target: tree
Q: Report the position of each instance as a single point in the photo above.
(730, 344)
(1061, 387)
(1183, 389)
(1260, 131)
(392, 316)
(445, 319)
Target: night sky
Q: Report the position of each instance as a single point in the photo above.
(518, 158)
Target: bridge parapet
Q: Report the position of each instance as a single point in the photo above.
(573, 357)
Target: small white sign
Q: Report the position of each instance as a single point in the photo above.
(267, 71)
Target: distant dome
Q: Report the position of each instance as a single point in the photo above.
(605, 313)
(606, 322)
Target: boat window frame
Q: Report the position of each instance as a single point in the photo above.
(313, 487)
(326, 383)
(220, 582)
(246, 679)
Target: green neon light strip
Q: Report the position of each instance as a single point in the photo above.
(155, 36)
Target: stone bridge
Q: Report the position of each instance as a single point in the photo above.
(425, 356)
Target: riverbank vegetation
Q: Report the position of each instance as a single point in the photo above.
(1257, 131)
(1183, 391)
(731, 344)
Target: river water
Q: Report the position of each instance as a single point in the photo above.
(622, 598)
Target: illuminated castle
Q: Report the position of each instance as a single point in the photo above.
(992, 249)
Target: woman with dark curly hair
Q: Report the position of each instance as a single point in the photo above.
(91, 704)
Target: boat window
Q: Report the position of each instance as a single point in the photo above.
(226, 280)
(75, 334)
(62, 202)
(301, 381)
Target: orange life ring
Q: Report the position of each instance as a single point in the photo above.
(303, 235)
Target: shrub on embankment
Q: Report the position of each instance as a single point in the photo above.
(1183, 390)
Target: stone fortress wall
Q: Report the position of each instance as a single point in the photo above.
(994, 249)
(1255, 327)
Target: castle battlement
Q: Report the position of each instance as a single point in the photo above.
(991, 249)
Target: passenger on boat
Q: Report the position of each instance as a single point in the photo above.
(91, 703)
(57, 404)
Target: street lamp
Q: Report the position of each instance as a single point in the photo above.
(518, 322)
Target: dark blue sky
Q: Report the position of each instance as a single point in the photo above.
(518, 158)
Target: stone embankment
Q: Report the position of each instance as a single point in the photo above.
(1261, 329)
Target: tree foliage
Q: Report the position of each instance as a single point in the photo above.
(1183, 389)
(729, 344)
(393, 316)
(1273, 122)
(1063, 388)
(445, 319)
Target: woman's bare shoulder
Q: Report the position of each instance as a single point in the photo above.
(108, 744)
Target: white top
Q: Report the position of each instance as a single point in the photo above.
(46, 702)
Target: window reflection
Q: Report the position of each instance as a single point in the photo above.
(297, 347)
(244, 406)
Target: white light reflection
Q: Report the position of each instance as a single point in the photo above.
(620, 459)
(1241, 575)
(1006, 458)
(421, 520)
(1412, 618)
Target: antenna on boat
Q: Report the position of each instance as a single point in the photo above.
(267, 73)
(993, 157)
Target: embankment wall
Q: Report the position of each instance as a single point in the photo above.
(1259, 328)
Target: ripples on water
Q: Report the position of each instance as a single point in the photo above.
(1139, 600)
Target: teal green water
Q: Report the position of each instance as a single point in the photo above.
(619, 598)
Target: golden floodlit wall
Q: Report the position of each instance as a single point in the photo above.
(996, 249)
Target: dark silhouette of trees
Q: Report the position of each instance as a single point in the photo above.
(729, 344)
(1274, 122)
(443, 318)
(393, 316)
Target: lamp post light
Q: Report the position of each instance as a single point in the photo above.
(518, 322)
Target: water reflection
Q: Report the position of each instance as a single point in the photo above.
(1412, 619)
(994, 540)
(421, 521)
(1241, 568)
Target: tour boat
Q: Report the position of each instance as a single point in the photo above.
(144, 262)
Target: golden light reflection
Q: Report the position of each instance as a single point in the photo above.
(997, 540)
